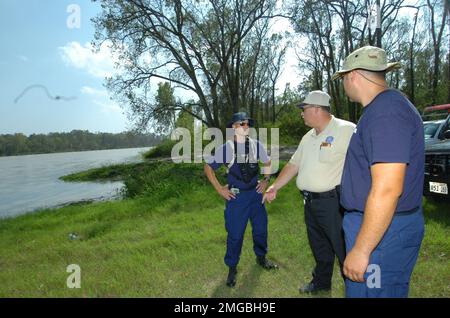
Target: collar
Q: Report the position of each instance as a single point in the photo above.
(327, 129)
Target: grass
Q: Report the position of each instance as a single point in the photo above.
(168, 240)
(164, 149)
(106, 173)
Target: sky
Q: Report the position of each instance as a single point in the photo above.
(43, 43)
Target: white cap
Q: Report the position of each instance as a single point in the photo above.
(318, 98)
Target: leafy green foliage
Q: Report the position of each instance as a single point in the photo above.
(292, 127)
(163, 150)
(76, 140)
(162, 180)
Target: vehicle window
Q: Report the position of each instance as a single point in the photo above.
(444, 129)
(430, 129)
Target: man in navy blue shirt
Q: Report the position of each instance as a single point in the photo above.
(382, 181)
(243, 193)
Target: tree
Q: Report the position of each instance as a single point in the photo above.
(333, 29)
(437, 41)
(196, 45)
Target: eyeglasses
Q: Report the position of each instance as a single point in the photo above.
(243, 123)
(304, 108)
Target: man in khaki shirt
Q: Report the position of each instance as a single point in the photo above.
(318, 164)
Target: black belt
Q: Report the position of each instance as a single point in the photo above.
(320, 195)
(243, 189)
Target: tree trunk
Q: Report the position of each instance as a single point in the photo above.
(411, 62)
(378, 30)
(448, 55)
(435, 74)
(273, 104)
(437, 39)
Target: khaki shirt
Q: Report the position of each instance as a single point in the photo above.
(320, 158)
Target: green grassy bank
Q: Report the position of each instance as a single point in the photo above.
(167, 239)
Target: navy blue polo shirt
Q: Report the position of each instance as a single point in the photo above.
(224, 154)
(389, 131)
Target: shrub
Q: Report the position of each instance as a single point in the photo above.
(164, 149)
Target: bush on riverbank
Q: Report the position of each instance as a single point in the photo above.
(162, 180)
(157, 179)
(107, 173)
(163, 150)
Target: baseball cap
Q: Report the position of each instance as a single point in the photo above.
(318, 98)
(368, 58)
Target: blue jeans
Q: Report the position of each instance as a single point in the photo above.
(392, 262)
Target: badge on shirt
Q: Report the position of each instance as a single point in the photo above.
(327, 142)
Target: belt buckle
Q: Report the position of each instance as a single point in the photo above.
(235, 190)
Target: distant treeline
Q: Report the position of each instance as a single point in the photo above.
(76, 140)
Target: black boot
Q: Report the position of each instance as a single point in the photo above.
(231, 279)
(312, 288)
(265, 263)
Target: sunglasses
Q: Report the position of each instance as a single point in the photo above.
(243, 123)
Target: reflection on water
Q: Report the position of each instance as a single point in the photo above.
(31, 182)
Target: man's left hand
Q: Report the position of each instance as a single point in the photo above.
(262, 185)
(355, 265)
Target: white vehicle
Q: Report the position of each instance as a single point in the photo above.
(434, 130)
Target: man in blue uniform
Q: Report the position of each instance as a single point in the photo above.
(382, 181)
(243, 193)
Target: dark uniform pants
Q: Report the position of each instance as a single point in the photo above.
(392, 262)
(247, 205)
(323, 218)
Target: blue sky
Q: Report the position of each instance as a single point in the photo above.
(38, 47)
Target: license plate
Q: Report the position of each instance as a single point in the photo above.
(438, 187)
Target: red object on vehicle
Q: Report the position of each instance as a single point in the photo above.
(436, 111)
(437, 107)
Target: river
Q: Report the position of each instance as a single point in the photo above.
(30, 183)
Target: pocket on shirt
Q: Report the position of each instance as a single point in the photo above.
(327, 154)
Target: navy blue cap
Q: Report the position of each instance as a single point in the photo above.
(241, 116)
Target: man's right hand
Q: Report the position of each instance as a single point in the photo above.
(226, 193)
(270, 195)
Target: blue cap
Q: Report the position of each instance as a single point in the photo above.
(241, 116)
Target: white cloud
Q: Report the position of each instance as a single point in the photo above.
(23, 58)
(93, 91)
(99, 64)
(101, 98)
(108, 107)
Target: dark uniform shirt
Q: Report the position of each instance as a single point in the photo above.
(225, 154)
(389, 131)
